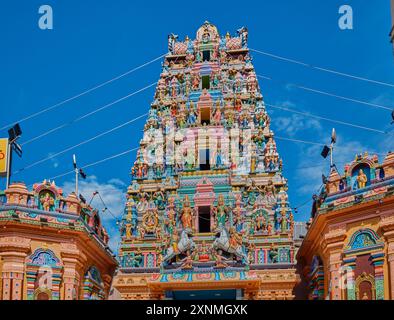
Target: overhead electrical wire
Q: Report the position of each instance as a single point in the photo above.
(93, 163)
(328, 93)
(82, 93)
(324, 118)
(94, 111)
(332, 71)
(105, 206)
(80, 143)
(87, 114)
(322, 144)
(306, 202)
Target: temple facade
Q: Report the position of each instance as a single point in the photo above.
(52, 247)
(348, 251)
(207, 212)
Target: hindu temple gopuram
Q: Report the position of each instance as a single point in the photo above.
(52, 247)
(207, 212)
(348, 251)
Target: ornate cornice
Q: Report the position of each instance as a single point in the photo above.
(14, 243)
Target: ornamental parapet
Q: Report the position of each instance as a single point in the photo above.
(364, 180)
(45, 205)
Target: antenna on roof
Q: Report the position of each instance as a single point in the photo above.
(329, 150)
(78, 172)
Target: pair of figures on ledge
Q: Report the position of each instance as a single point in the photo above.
(221, 213)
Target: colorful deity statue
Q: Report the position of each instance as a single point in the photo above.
(238, 84)
(189, 159)
(192, 116)
(259, 140)
(237, 214)
(221, 212)
(161, 89)
(283, 221)
(259, 119)
(361, 179)
(253, 162)
(198, 56)
(129, 224)
(188, 83)
(159, 200)
(196, 81)
(229, 114)
(219, 158)
(150, 220)
(186, 214)
(219, 259)
(269, 228)
(128, 230)
(159, 256)
(215, 80)
(203, 252)
(235, 239)
(217, 115)
(47, 201)
(273, 254)
(251, 82)
(171, 214)
(187, 262)
(243, 120)
(137, 259)
(174, 87)
(174, 239)
(181, 122)
(261, 223)
(251, 250)
(238, 103)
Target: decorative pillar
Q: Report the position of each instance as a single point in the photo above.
(391, 273)
(13, 252)
(332, 248)
(73, 262)
(378, 261)
(107, 279)
(335, 276)
(386, 225)
(71, 278)
(350, 264)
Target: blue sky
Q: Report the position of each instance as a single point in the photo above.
(93, 41)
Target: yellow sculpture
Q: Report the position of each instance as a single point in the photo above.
(128, 231)
(361, 179)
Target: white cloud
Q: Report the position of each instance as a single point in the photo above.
(313, 165)
(294, 123)
(54, 160)
(113, 195)
(117, 181)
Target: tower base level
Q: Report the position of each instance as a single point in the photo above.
(273, 284)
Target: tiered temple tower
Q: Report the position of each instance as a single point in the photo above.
(207, 212)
